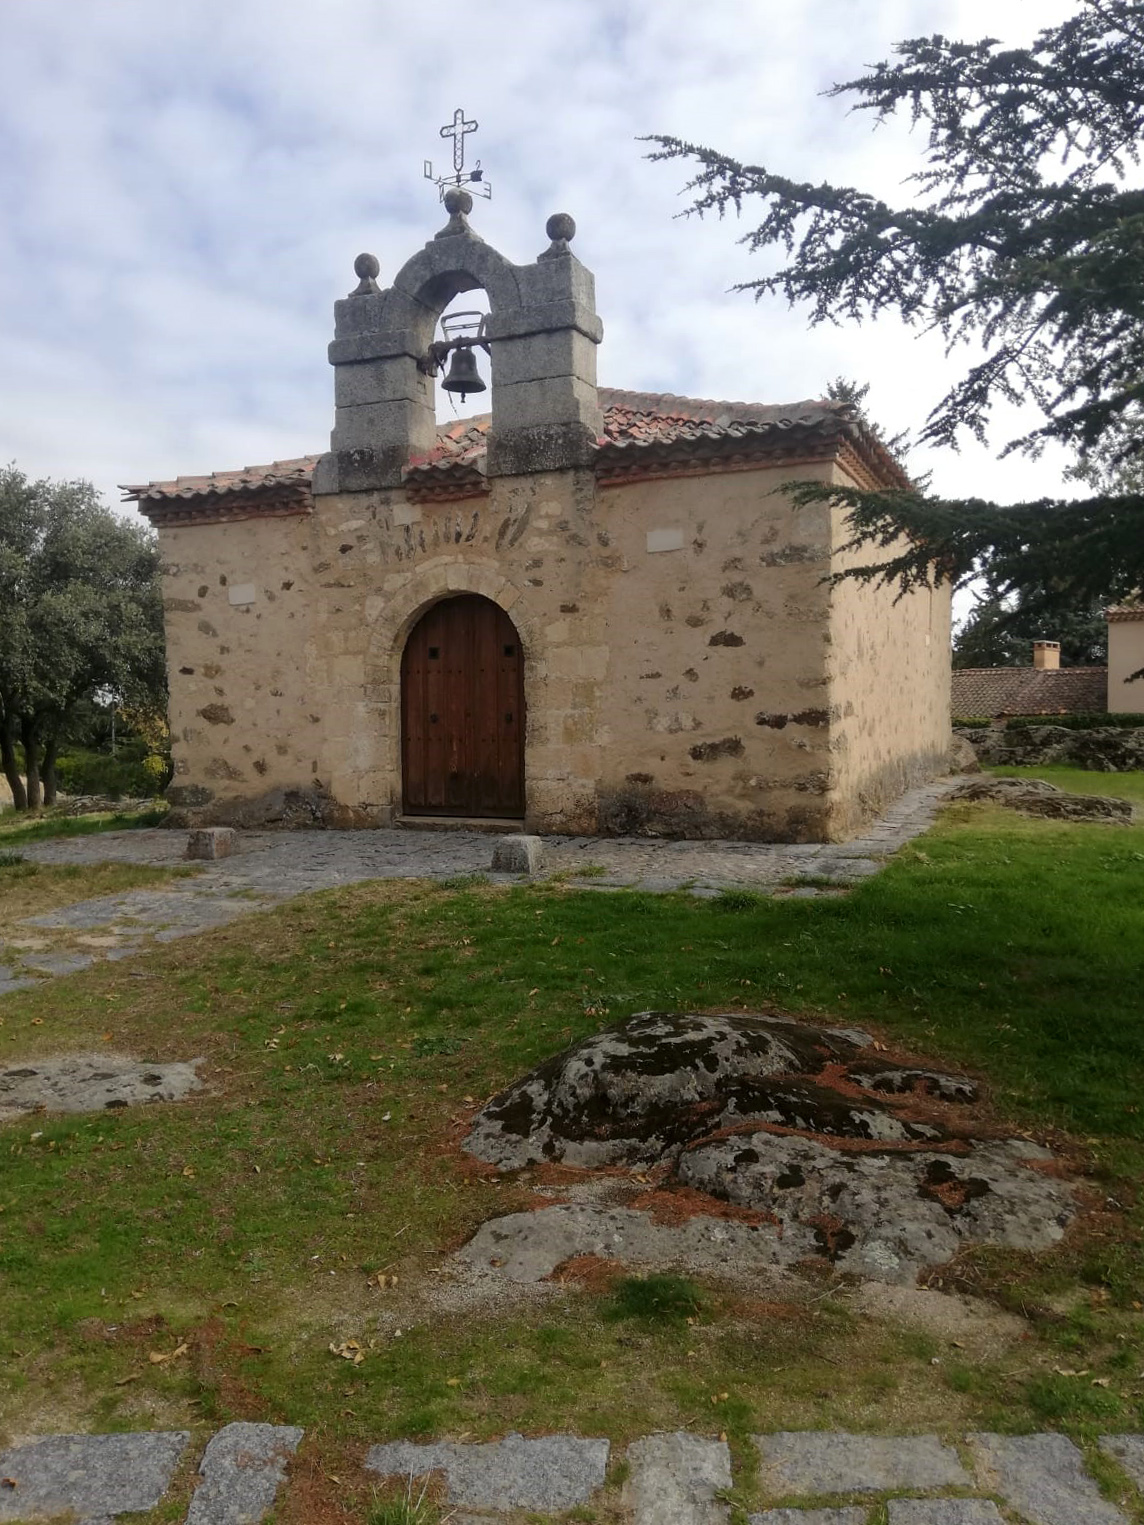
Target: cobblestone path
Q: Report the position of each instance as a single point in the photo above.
(271, 867)
(804, 1478)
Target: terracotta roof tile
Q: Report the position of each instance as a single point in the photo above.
(295, 474)
(663, 425)
(1029, 690)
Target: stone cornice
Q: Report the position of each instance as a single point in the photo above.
(182, 513)
(445, 491)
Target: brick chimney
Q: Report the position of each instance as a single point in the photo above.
(1046, 655)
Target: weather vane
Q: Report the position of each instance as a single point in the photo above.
(458, 129)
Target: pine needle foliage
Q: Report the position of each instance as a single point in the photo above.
(1023, 235)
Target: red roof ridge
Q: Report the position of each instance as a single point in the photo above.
(703, 409)
(668, 427)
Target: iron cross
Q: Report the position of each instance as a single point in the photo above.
(457, 130)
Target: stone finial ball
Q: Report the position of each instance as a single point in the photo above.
(560, 226)
(457, 200)
(366, 267)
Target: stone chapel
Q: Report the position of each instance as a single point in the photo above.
(589, 611)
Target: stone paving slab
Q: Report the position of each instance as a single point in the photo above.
(673, 1480)
(1128, 1450)
(1043, 1477)
(10, 981)
(548, 1473)
(943, 1512)
(93, 1476)
(90, 1083)
(820, 1461)
(853, 1515)
(270, 867)
(242, 1469)
(57, 963)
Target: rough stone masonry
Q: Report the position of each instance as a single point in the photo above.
(653, 646)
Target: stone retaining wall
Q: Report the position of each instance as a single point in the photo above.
(1105, 750)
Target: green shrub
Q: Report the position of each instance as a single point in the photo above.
(133, 772)
(1087, 722)
(1092, 721)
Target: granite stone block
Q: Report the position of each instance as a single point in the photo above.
(92, 1476)
(1043, 1477)
(211, 842)
(674, 1479)
(242, 1469)
(943, 1512)
(549, 1473)
(518, 854)
(812, 1461)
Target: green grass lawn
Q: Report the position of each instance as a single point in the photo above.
(350, 1034)
(1123, 786)
(31, 889)
(18, 826)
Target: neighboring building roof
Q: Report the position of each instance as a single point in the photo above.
(645, 433)
(1029, 690)
(1120, 612)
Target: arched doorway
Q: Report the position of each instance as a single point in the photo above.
(462, 712)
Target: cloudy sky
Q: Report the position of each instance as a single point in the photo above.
(185, 185)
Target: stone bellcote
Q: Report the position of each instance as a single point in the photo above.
(542, 330)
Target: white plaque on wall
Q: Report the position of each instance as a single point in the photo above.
(665, 540)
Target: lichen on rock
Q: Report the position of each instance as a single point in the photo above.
(825, 1150)
(637, 1094)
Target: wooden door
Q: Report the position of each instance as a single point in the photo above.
(462, 712)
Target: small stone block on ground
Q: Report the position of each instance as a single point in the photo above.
(242, 1469)
(855, 1514)
(1043, 1477)
(55, 964)
(815, 1462)
(92, 1083)
(943, 1512)
(211, 842)
(518, 855)
(549, 1473)
(673, 1480)
(92, 1476)
(1128, 1450)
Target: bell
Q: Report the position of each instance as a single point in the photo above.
(463, 375)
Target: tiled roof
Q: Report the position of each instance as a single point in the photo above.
(639, 427)
(1120, 612)
(1029, 690)
(280, 477)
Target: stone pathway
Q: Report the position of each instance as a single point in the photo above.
(271, 867)
(671, 1479)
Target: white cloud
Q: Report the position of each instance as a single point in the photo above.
(186, 186)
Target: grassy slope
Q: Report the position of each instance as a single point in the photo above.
(246, 1223)
(17, 828)
(1124, 786)
(31, 889)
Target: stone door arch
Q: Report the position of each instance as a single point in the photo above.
(462, 712)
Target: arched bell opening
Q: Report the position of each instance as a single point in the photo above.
(462, 712)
